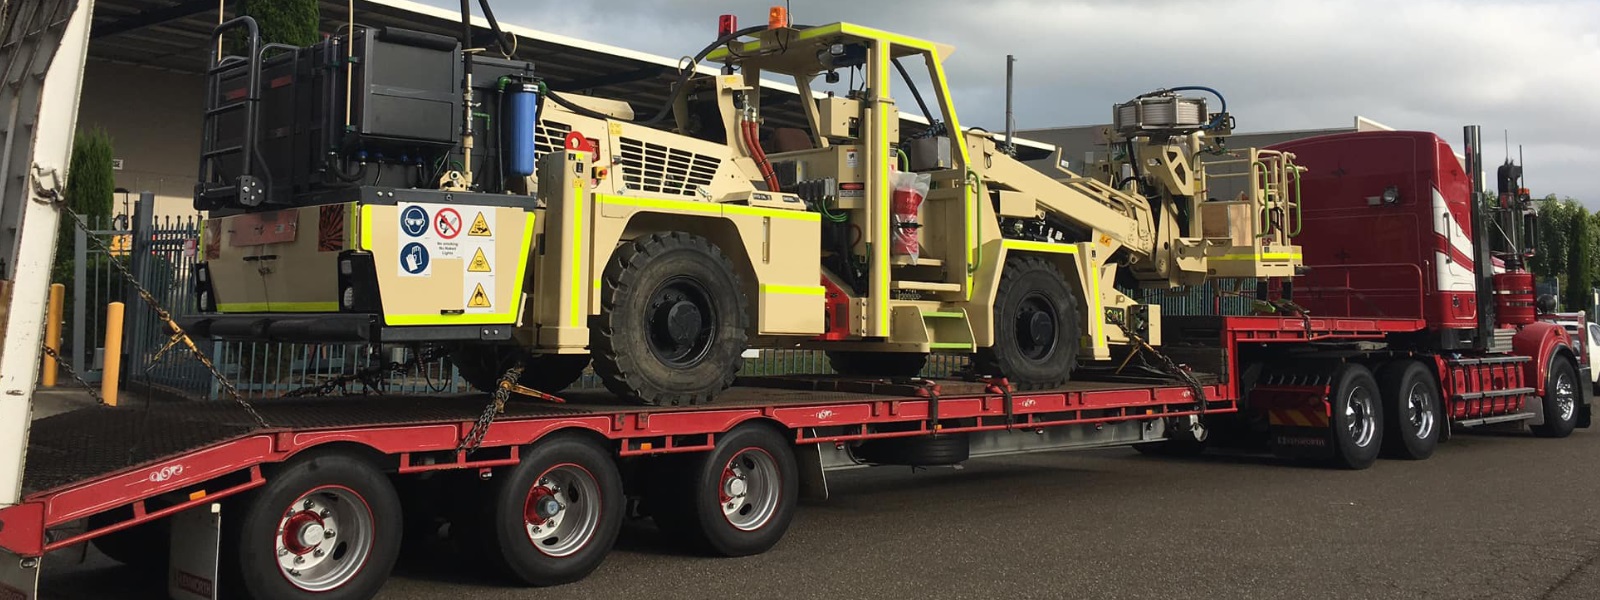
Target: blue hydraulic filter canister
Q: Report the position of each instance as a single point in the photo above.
(522, 115)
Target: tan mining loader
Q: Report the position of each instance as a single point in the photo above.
(521, 224)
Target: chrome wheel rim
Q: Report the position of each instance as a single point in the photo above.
(749, 489)
(1360, 416)
(1419, 410)
(324, 538)
(562, 510)
(1566, 397)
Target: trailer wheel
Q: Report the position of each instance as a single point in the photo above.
(1357, 424)
(877, 364)
(1560, 400)
(326, 527)
(481, 366)
(1412, 408)
(1035, 327)
(736, 500)
(672, 322)
(554, 516)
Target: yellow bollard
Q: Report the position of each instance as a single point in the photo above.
(113, 360)
(52, 334)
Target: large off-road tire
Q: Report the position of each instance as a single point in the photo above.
(1560, 399)
(735, 500)
(1412, 408)
(1036, 326)
(482, 365)
(1357, 423)
(553, 517)
(325, 526)
(899, 365)
(672, 321)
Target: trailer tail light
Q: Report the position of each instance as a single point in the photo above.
(727, 24)
(777, 18)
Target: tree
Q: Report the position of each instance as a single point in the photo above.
(1580, 240)
(91, 190)
(292, 22)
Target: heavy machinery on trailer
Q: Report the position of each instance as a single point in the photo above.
(302, 498)
(565, 231)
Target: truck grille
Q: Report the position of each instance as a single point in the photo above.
(550, 135)
(658, 169)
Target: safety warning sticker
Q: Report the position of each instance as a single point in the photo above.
(478, 299)
(414, 260)
(480, 227)
(479, 263)
(430, 233)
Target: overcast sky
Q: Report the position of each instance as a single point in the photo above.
(1531, 67)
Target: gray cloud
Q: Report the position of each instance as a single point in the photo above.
(1530, 67)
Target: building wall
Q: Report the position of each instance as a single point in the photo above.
(153, 117)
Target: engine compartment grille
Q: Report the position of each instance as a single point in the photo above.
(655, 168)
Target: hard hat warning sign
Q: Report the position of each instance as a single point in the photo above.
(479, 299)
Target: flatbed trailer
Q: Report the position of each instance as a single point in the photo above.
(175, 470)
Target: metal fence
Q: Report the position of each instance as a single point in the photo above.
(161, 254)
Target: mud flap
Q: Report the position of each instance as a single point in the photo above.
(196, 537)
(1302, 442)
(813, 478)
(1585, 395)
(19, 577)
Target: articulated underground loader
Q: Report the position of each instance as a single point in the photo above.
(385, 187)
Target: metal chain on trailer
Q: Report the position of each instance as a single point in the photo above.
(179, 336)
(62, 364)
(370, 376)
(1167, 364)
(497, 405)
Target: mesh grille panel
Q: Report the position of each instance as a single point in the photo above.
(658, 169)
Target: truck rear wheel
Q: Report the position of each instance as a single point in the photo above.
(553, 517)
(481, 366)
(1035, 327)
(672, 321)
(736, 500)
(855, 363)
(1560, 399)
(1357, 423)
(325, 526)
(1411, 407)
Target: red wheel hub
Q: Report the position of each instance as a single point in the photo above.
(295, 530)
(541, 505)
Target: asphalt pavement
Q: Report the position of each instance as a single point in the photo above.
(1498, 516)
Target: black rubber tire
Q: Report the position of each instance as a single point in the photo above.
(1350, 451)
(1402, 438)
(621, 337)
(1032, 280)
(145, 547)
(920, 451)
(899, 365)
(502, 533)
(482, 365)
(249, 564)
(1554, 426)
(685, 499)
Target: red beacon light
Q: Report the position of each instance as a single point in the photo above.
(727, 24)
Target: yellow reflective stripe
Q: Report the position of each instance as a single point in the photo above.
(352, 226)
(509, 316)
(278, 307)
(880, 142)
(366, 227)
(1262, 256)
(575, 318)
(794, 290)
(716, 208)
(1028, 246)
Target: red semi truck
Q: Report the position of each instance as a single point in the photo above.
(1393, 339)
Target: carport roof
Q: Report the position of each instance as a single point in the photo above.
(175, 34)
